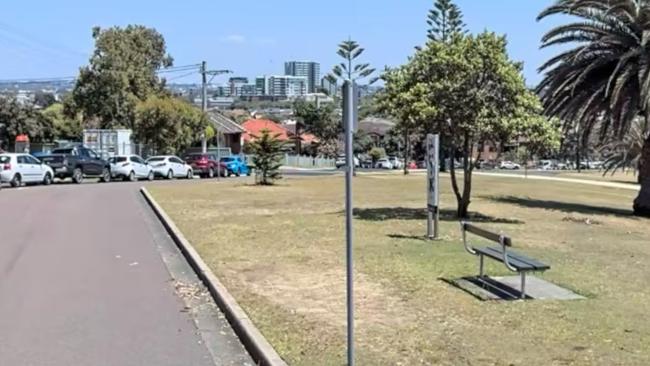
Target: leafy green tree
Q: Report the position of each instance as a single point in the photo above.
(376, 153)
(121, 73)
(65, 127)
(350, 51)
(321, 121)
(470, 85)
(17, 119)
(444, 20)
(268, 153)
(44, 100)
(600, 80)
(167, 124)
(404, 98)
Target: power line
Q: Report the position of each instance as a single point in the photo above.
(182, 76)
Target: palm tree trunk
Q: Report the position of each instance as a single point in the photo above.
(642, 202)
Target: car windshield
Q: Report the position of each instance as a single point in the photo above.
(227, 160)
(157, 158)
(62, 151)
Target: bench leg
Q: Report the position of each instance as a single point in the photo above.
(480, 266)
(523, 285)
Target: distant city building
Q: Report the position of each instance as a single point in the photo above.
(286, 86)
(236, 84)
(262, 85)
(328, 86)
(306, 69)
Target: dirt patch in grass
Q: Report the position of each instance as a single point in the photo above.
(280, 251)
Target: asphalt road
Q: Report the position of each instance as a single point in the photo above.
(89, 277)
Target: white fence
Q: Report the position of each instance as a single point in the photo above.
(297, 161)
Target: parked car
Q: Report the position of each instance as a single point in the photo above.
(77, 162)
(17, 169)
(235, 165)
(509, 165)
(170, 167)
(365, 163)
(396, 162)
(206, 165)
(340, 162)
(384, 163)
(547, 165)
(130, 167)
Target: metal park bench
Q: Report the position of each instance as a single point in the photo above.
(515, 262)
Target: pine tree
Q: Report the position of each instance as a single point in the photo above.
(444, 20)
(268, 150)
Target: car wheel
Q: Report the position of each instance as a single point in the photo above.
(16, 181)
(77, 176)
(190, 174)
(229, 173)
(106, 176)
(132, 177)
(47, 180)
(237, 173)
(211, 173)
(150, 177)
(249, 172)
(170, 174)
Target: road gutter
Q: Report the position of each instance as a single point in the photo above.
(258, 347)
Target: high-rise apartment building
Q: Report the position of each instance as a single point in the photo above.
(285, 86)
(306, 69)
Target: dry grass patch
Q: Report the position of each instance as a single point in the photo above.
(280, 250)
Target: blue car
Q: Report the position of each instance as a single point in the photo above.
(236, 165)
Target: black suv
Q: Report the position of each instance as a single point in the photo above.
(77, 162)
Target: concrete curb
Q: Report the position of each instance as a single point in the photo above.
(258, 347)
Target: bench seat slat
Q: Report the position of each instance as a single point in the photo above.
(521, 262)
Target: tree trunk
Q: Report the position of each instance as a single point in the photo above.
(406, 152)
(463, 203)
(642, 202)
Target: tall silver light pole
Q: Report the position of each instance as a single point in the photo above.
(350, 105)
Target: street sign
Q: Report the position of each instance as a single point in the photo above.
(433, 184)
(351, 95)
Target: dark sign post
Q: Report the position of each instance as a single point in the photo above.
(350, 106)
(433, 184)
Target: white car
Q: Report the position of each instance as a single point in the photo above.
(130, 167)
(396, 162)
(170, 167)
(17, 169)
(509, 165)
(384, 164)
(340, 162)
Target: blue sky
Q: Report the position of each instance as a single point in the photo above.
(42, 38)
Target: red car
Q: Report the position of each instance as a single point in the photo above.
(206, 165)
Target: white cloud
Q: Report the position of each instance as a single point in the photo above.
(233, 38)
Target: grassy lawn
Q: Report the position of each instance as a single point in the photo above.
(280, 251)
(618, 177)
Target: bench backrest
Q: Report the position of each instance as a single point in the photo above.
(486, 234)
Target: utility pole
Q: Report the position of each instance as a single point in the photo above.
(204, 102)
(204, 97)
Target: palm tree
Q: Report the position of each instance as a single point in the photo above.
(624, 154)
(601, 82)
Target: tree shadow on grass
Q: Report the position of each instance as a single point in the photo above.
(569, 207)
(406, 213)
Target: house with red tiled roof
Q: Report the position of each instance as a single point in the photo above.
(254, 127)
